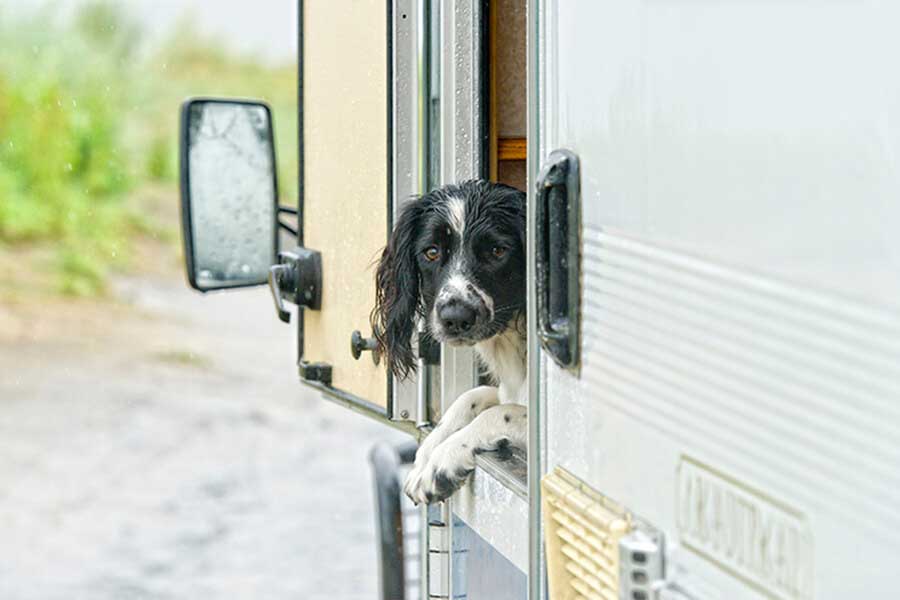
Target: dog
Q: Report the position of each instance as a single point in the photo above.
(456, 262)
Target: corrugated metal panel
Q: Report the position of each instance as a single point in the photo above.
(805, 383)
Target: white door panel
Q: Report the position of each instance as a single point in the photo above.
(760, 133)
(740, 181)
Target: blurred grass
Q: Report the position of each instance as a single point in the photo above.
(89, 117)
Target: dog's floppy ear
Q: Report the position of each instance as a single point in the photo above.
(397, 293)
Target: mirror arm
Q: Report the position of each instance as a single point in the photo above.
(288, 228)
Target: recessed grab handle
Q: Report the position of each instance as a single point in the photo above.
(558, 257)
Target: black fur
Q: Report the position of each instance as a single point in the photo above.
(407, 284)
(397, 301)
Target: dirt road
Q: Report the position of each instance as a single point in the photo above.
(161, 447)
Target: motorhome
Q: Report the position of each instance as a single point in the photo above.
(714, 273)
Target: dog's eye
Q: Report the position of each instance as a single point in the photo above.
(432, 253)
(499, 251)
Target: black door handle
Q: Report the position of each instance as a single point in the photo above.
(558, 257)
(360, 344)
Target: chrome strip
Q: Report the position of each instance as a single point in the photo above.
(408, 401)
(461, 158)
(536, 585)
(511, 473)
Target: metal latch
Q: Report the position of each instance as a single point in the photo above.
(297, 278)
(641, 571)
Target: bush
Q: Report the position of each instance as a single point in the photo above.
(87, 114)
(62, 166)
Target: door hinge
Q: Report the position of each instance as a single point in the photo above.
(316, 371)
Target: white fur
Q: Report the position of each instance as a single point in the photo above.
(458, 415)
(456, 215)
(504, 357)
(458, 285)
(456, 453)
(478, 420)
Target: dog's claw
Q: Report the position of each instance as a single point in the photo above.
(445, 471)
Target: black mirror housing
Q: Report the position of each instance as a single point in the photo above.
(229, 192)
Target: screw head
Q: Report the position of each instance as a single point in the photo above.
(404, 414)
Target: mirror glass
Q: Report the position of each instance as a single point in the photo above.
(229, 193)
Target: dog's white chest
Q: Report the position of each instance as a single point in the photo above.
(504, 356)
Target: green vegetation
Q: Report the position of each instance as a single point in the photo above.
(89, 116)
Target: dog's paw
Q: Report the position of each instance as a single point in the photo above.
(411, 485)
(415, 473)
(446, 471)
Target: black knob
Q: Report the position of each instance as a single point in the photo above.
(359, 344)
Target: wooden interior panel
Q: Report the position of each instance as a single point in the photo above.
(508, 88)
(512, 172)
(512, 149)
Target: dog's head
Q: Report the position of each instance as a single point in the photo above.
(456, 259)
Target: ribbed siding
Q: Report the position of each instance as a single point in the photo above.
(800, 387)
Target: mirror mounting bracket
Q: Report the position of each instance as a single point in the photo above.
(290, 210)
(297, 278)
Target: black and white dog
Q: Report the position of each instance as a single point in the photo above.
(456, 262)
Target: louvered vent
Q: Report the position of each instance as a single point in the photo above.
(583, 529)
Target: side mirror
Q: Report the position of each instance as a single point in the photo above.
(229, 193)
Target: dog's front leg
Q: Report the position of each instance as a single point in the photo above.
(451, 462)
(468, 406)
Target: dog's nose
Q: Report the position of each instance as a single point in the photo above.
(457, 318)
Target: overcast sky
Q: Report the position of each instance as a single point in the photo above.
(265, 27)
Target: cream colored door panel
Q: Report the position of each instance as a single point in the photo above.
(345, 180)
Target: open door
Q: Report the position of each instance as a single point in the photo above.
(345, 196)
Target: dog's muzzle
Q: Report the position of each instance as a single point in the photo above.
(461, 318)
(457, 319)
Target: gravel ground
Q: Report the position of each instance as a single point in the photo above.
(161, 447)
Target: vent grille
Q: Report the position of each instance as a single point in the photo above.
(583, 530)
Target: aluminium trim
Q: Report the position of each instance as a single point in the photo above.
(406, 401)
(536, 576)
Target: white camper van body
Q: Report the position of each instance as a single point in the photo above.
(714, 282)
